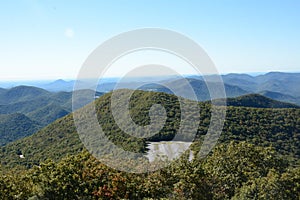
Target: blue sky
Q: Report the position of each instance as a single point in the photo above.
(51, 39)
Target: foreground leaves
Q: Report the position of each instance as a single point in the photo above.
(235, 171)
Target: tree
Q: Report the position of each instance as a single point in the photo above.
(232, 165)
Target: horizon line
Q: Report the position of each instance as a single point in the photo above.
(253, 74)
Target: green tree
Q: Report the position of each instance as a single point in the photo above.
(232, 165)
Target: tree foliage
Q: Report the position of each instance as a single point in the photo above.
(237, 170)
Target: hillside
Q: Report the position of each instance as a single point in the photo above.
(286, 83)
(38, 105)
(281, 97)
(16, 126)
(48, 113)
(2, 90)
(43, 109)
(260, 126)
(21, 93)
(257, 101)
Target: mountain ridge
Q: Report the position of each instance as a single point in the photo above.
(256, 101)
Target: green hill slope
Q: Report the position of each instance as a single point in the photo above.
(16, 126)
(21, 93)
(258, 101)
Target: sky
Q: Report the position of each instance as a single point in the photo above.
(52, 39)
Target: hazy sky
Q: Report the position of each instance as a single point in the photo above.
(51, 39)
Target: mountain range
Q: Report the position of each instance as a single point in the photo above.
(279, 86)
(277, 127)
(275, 85)
(40, 107)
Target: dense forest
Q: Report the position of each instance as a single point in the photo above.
(237, 170)
(257, 157)
(16, 126)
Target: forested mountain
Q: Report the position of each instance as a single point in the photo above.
(2, 90)
(44, 107)
(260, 126)
(16, 126)
(257, 101)
(39, 106)
(21, 93)
(36, 102)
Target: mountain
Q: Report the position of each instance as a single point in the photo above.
(21, 93)
(48, 114)
(39, 105)
(244, 81)
(16, 126)
(281, 97)
(279, 82)
(2, 90)
(261, 126)
(235, 85)
(109, 86)
(258, 101)
(59, 85)
(179, 85)
(199, 86)
(286, 83)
